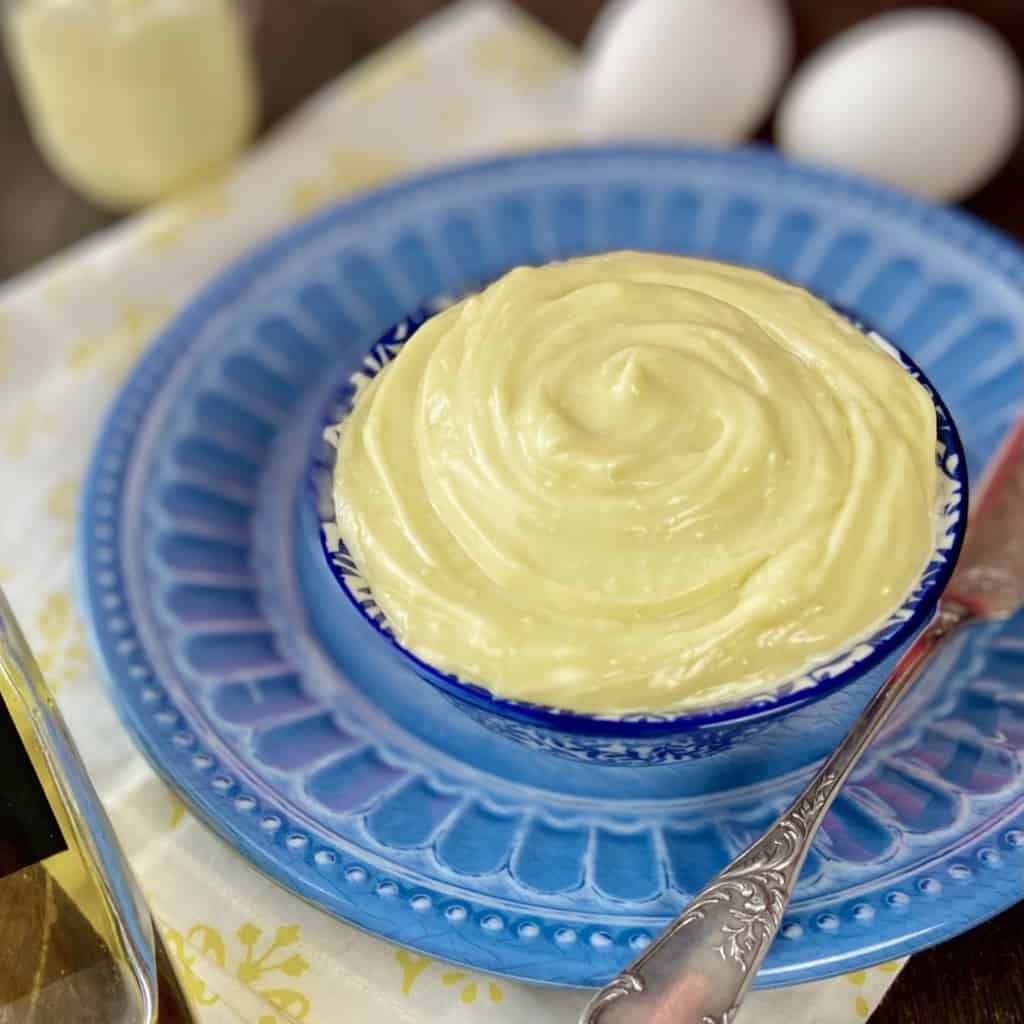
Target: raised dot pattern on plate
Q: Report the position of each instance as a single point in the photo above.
(561, 871)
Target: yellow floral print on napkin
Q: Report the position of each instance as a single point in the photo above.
(62, 509)
(62, 500)
(859, 978)
(204, 200)
(178, 809)
(258, 963)
(67, 282)
(532, 57)
(351, 168)
(5, 348)
(397, 65)
(467, 987)
(114, 351)
(58, 639)
(26, 425)
(453, 122)
(412, 965)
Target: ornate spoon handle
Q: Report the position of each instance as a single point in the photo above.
(700, 968)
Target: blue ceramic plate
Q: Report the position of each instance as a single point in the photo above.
(324, 760)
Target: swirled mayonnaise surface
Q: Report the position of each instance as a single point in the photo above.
(635, 482)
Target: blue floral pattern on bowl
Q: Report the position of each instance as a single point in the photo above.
(640, 739)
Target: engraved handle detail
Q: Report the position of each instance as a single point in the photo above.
(701, 967)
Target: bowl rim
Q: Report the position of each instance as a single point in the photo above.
(650, 725)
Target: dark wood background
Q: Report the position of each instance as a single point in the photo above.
(975, 979)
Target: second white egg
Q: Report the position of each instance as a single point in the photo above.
(926, 100)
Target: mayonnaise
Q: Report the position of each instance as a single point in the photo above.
(634, 482)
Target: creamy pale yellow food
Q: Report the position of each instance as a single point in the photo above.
(637, 482)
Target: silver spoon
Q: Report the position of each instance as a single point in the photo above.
(701, 967)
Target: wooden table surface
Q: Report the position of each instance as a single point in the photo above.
(975, 979)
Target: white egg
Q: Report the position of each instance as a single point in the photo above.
(691, 70)
(926, 100)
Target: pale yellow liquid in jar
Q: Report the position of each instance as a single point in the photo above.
(132, 99)
(637, 482)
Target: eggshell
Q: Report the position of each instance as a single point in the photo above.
(693, 70)
(926, 100)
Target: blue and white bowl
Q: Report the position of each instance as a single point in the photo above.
(638, 739)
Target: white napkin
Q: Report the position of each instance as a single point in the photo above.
(476, 78)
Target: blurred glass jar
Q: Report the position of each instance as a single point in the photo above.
(131, 100)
